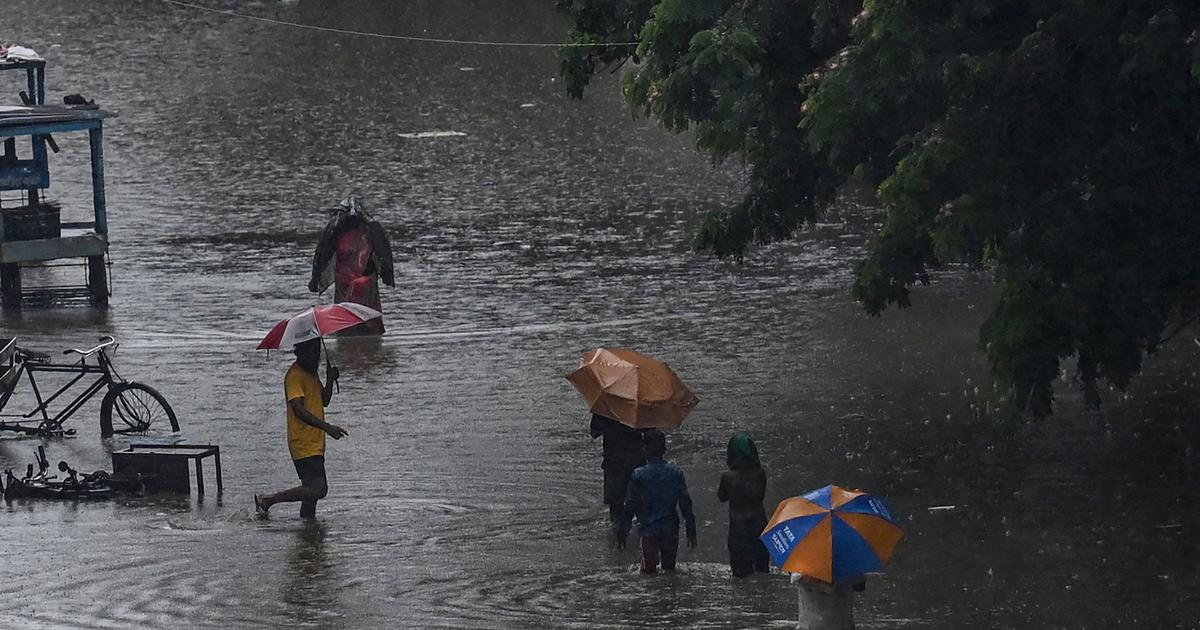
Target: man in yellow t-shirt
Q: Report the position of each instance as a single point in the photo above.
(306, 429)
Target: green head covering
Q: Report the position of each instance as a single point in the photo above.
(742, 452)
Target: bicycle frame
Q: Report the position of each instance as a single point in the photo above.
(81, 369)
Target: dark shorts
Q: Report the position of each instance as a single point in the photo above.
(310, 469)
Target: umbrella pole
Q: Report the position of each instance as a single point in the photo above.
(337, 386)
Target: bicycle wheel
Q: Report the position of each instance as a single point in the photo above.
(137, 408)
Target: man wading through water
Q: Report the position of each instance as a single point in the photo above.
(306, 428)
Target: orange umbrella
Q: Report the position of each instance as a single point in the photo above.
(831, 534)
(632, 389)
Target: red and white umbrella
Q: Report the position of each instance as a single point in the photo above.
(315, 323)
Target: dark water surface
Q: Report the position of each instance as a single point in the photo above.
(468, 493)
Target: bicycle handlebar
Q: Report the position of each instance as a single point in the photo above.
(106, 341)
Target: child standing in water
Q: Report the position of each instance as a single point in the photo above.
(657, 495)
(744, 485)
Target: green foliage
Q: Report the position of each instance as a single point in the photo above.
(1055, 143)
(733, 72)
(617, 21)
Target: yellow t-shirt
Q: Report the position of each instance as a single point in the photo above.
(304, 440)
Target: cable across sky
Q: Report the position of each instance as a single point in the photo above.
(407, 38)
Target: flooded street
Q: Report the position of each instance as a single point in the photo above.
(468, 494)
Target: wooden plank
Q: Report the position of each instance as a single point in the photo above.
(48, 127)
(20, 64)
(181, 450)
(51, 248)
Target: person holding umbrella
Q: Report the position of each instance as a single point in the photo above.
(628, 393)
(306, 398)
(623, 453)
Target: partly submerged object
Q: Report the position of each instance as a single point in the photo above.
(72, 487)
(351, 214)
(419, 135)
(354, 255)
(832, 535)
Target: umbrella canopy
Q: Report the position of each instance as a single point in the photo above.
(315, 323)
(831, 534)
(632, 389)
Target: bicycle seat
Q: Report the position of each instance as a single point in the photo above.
(32, 355)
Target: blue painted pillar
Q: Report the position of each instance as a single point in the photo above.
(97, 279)
(96, 140)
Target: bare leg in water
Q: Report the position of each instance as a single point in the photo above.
(307, 495)
(313, 487)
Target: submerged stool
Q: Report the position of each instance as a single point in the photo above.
(165, 467)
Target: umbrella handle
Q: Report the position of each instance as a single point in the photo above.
(337, 385)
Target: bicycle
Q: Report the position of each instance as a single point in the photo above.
(75, 486)
(136, 407)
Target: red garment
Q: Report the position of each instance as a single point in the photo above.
(353, 255)
(355, 278)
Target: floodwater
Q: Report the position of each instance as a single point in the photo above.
(468, 492)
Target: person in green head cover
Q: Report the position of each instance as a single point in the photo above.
(744, 485)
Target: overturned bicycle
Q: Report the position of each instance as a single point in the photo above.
(73, 486)
(127, 406)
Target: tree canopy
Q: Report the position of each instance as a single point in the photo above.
(1054, 143)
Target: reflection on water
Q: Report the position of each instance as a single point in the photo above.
(358, 355)
(310, 587)
(468, 493)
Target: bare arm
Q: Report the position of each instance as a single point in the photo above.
(334, 431)
(632, 503)
(689, 517)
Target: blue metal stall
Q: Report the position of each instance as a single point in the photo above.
(31, 232)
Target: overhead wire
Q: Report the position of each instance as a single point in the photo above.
(407, 38)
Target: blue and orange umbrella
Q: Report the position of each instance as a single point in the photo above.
(831, 534)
